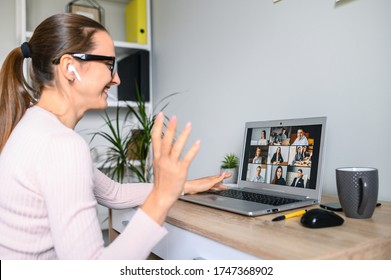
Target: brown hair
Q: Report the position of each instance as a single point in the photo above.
(54, 37)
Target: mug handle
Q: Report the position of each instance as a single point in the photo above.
(364, 195)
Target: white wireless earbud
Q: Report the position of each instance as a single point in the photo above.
(72, 69)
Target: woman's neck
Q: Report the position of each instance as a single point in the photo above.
(56, 103)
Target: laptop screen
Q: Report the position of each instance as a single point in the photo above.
(283, 155)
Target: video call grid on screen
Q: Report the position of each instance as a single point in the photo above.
(298, 147)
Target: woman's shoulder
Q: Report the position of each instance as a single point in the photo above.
(43, 128)
(45, 123)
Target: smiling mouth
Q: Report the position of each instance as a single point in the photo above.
(106, 91)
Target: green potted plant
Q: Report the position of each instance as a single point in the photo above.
(129, 149)
(230, 164)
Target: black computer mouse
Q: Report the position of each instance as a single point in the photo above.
(320, 218)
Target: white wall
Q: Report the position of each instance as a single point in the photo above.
(8, 28)
(254, 60)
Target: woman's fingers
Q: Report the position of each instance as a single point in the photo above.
(166, 146)
(180, 143)
(190, 155)
(156, 135)
(169, 135)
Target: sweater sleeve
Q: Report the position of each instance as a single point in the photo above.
(67, 185)
(119, 196)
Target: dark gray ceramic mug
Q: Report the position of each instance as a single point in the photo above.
(357, 190)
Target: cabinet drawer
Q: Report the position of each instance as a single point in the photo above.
(180, 244)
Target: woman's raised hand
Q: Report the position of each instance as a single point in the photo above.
(170, 169)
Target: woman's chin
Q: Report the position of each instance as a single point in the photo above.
(104, 103)
(101, 106)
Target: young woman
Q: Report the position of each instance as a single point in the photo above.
(49, 187)
(278, 179)
(277, 157)
(257, 157)
(262, 141)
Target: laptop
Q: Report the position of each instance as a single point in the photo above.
(288, 176)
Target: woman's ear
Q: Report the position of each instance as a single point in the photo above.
(72, 68)
(67, 69)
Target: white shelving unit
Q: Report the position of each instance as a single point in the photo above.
(29, 13)
(114, 22)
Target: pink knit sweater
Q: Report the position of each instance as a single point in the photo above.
(49, 190)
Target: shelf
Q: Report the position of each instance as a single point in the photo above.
(119, 1)
(122, 48)
(126, 48)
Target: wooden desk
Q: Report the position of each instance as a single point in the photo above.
(288, 239)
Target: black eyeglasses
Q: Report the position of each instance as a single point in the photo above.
(92, 57)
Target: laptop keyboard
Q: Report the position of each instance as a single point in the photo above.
(256, 197)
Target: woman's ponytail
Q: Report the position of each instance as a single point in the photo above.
(14, 96)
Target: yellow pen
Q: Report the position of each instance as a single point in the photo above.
(290, 215)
